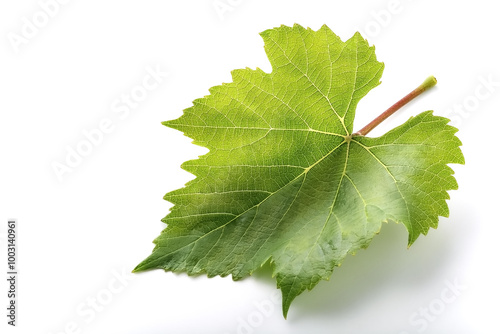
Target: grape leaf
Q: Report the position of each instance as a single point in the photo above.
(286, 182)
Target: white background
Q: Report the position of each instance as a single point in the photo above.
(76, 235)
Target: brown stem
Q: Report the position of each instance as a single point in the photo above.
(427, 84)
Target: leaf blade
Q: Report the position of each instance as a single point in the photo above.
(285, 181)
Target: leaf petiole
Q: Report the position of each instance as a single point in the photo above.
(427, 84)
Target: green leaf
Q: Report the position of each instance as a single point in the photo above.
(284, 179)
